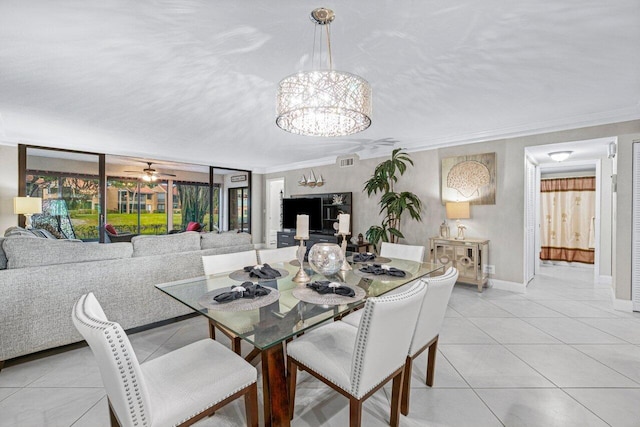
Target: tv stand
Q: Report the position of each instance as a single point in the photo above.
(286, 238)
(332, 205)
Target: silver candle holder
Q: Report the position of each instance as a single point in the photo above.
(343, 246)
(301, 276)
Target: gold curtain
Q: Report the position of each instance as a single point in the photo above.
(568, 219)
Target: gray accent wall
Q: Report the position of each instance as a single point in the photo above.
(502, 223)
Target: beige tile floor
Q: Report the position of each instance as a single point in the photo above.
(558, 355)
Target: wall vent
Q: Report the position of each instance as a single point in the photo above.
(347, 161)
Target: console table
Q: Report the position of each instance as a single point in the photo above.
(468, 256)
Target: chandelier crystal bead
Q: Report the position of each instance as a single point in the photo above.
(325, 103)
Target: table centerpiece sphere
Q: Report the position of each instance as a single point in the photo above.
(325, 258)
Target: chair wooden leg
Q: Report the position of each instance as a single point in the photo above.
(236, 345)
(212, 330)
(292, 372)
(396, 391)
(251, 406)
(431, 362)
(355, 412)
(406, 386)
(252, 355)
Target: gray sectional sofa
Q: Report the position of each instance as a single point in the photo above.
(40, 280)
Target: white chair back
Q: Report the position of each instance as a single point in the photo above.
(384, 335)
(270, 256)
(433, 309)
(214, 264)
(119, 367)
(408, 252)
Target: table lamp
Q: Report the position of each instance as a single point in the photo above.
(27, 206)
(458, 211)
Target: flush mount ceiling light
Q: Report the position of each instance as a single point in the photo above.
(323, 102)
(560, 156)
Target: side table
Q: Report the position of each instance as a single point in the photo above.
(468, 256)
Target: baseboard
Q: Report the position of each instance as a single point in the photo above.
(605, 280)
(621, 304)
(505, 285)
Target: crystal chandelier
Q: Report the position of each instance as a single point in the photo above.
(324, 102)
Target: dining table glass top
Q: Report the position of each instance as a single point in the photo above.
(287, 316)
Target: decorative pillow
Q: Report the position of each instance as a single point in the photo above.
(22, 253)
(167, 244)
(223, 240)
(50, 232)
(111, 229)
(19, 231)
(193, 226)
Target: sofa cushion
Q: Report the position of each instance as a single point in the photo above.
(111, 229)
(170, 243)
(24, 252)
(222, 240)
(193, 226)
(3, 257)
(18, 231)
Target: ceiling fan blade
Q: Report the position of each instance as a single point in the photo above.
(163, 174)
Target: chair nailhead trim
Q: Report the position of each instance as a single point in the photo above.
(137, 411)
(361, 340)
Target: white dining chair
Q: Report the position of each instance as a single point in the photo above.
(428, 328)
(270, 256)
(356, 362)
(221, 263)
(177, 388)
(214, 264)
(396, 250)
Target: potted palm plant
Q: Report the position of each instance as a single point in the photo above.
(392, 204)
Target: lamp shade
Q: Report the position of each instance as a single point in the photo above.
(458, 210)
(27, 205)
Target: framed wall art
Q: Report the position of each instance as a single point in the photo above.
(469, 178)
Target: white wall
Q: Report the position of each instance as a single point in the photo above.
(8, 186)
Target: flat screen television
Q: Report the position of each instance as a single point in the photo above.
(291, 208)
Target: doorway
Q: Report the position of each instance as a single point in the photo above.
(586, 158)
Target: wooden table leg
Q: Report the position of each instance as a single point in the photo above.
(274, 384)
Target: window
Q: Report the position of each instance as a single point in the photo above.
(84, 191)
(68, 184)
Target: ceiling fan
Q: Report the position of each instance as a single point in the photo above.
(149, 174)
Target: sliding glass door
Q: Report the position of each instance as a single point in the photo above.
(192, 203)
(137, 207)
(239, 209)
(69, 186)
(83, 192)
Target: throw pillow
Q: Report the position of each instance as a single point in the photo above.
(111, 229)
(193, 226)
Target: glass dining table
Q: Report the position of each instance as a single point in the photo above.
(286, 315)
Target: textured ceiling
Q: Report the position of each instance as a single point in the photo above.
(196, 80)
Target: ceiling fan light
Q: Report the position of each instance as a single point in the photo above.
(560, 156)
